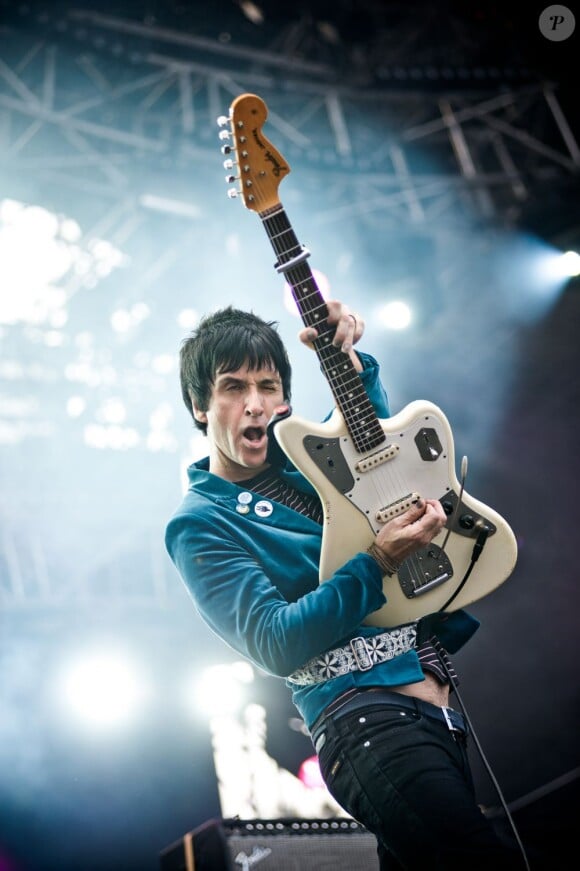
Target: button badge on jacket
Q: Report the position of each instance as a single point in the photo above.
(263, 508)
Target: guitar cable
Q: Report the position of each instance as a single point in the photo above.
(480, 541)
(475, 554)
(482, 536)
(472, 733)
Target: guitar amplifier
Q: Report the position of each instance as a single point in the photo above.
(273, 845)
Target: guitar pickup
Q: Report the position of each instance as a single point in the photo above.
(377, 459)
(395, 508)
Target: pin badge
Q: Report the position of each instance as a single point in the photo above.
(245, 498)
(263, 508)
(243, 509)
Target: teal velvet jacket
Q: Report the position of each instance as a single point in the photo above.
(254, 581)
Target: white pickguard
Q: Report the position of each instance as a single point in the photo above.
(350, 522)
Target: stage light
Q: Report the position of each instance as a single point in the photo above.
(159, 437)
(102, 689)
(570, 263)
(323, 285)
(75, 406)
(557, 266)
(163, 364)
(113, 437)
(121, 321)
(252, 11)
(309, 773)
(112, 410)
(188, 318)
(395, 315)
(39, 249)
(219, 691)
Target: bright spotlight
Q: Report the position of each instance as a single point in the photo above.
(322, 283)
(556, 266)
(30, 283)
(188, 318)
(309, 773)
(395, 315)
(102, 690)
(570, 261)
(220, 689)
(252, 12)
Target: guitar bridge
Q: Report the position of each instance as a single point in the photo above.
(426, 569)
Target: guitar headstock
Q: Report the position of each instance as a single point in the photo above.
(260, 167)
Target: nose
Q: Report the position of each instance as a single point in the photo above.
(254, 403)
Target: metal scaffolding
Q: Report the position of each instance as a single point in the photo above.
(93, 103)
(99, 105)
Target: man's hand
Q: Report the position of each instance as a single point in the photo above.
(349, 329)
(416, 528)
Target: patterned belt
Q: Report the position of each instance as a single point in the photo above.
(360, 654)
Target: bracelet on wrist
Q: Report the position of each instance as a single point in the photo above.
(387, 565)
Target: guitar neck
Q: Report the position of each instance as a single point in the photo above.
(347, 388)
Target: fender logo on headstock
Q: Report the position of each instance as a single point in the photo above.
(259, 166)
(277, 166)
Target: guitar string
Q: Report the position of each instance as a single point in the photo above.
(305, 277)
(277, 229)
(344, 383)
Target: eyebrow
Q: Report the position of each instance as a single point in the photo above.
(225, 379)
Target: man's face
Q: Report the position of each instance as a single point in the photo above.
(240, 406)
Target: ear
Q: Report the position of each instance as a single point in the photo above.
(199, 415)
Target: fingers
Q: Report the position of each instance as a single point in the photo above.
(307, 337)
(431, 508)
(349, 326)
(429, 514)
(416, 528)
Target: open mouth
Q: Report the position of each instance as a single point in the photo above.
(254, 434)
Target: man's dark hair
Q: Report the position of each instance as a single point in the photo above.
(222, 342)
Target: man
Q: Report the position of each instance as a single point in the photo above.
(246, 540)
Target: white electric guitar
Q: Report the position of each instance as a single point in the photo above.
(367, 470)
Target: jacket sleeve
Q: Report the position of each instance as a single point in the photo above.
(370, 376)
(235, 596)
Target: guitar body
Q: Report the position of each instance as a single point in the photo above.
(352, 498)
(366, 470)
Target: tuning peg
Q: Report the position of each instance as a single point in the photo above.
(224, 134)
(223, 120)
(230, 178)
(226, 149)
(232, 193)
(228, 164)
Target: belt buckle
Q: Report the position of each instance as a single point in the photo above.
(448, 720)
(361, 653)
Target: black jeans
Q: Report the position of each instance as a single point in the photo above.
(407, 779)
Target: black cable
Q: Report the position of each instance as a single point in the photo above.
(486, 764)
(480, 541)
(477, 548)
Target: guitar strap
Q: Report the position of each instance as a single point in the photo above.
(275, 456)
